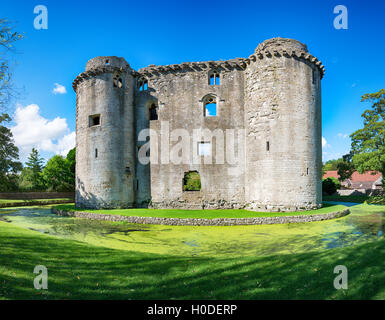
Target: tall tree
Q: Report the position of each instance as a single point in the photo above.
(71, 159)
(368, 143)
(345, 167)
(35, 166)
(9, 154)
(57, 174)
(7, 39)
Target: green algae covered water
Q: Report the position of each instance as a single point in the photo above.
(365, 223)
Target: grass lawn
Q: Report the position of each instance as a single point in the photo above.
(357, 199)
(200, 214)
(77, 270)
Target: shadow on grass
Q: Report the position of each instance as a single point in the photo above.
(80, 271)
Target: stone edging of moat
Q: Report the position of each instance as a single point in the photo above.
(204, 222)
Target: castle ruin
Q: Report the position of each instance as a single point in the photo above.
(271, 100)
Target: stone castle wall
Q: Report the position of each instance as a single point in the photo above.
(271, 98)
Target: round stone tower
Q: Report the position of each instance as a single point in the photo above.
(283, 127)
(105, 134)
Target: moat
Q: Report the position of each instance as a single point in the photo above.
(365, 223)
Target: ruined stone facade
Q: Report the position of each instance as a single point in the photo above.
(267, 116)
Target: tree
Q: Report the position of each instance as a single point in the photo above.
(345, 167)
(57, 174)
(7, 39)
(9, 154)
(331, 164)
(368, 143)
(25, 179)
(71, 159)
(34, 174)
(330, 185)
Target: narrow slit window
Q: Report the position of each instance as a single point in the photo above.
(214, 79)
(267, 146)
(96, 153)
(153, 112)
(217, 81)
(313, 76)
(307, 171)
(142, 84)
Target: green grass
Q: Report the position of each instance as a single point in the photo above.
(81, 271)
(30, 200)
(356, 199)
(200, 214)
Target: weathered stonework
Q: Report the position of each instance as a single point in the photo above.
(274, 96)
(204, 222)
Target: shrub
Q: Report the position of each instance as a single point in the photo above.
(192, 181)
(330, 185)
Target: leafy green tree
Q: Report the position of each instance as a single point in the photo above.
(9, 154)
(34, 175)
(345, 167)
(71, 159)
(25, 179)
(331, 165)
(57, 174)
(368, 143)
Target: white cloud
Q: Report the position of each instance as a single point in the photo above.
(31, 130)
(342, 135)
(324, 143)
(66, 143)
(59, 89)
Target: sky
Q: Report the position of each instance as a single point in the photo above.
(168, 32)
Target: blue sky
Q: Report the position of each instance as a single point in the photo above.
(167, 32)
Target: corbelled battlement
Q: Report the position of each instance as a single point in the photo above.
(278, 47)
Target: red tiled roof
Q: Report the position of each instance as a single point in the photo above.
(369, 176)
(331, 173)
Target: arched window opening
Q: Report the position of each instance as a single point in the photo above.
(153, 112)
(191, 181)
(210, 106)
(117, 81)
(107, 62)
(214, 79)
(142, 84)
